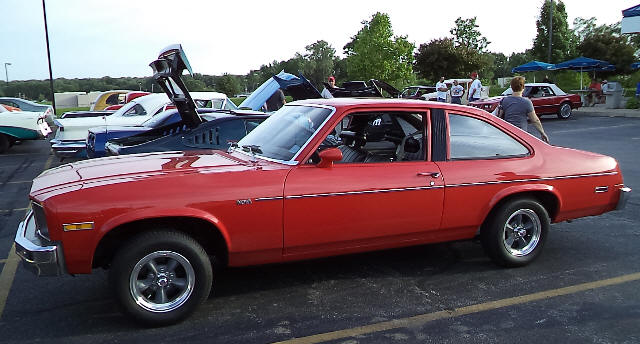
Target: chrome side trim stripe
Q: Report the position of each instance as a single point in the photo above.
(365, 192)
(350, 193)
(430, 187)
(268, 198)
(533, 179)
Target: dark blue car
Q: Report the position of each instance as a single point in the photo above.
(219, 130)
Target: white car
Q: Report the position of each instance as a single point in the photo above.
(70, 140)
(20, 126)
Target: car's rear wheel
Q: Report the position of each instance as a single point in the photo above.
(4, 143)
(161, 277)
(516, 233)
(565, 111)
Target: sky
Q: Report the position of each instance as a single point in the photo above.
(91, 38)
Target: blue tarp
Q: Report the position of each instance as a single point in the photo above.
(532, 67)
(631, 11)
(635, 65)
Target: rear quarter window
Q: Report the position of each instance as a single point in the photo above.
(471, 138)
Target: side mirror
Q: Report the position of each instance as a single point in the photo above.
(328, 156)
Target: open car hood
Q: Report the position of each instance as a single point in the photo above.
(375, 88)
(167, 70)
(297, 87)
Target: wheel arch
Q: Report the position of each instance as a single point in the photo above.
(545, 194)
(203, 231)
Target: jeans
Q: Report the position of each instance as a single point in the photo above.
(442, 100)
(456, 100)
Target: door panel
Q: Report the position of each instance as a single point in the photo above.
(359, 204)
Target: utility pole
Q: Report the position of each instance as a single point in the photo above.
(46, 33)
(550, 29)
(6, 74)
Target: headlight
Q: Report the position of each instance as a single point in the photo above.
(41, 220)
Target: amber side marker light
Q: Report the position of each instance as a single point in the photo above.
(77, 226)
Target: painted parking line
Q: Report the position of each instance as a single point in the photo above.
(11, 210)
(422, 319)
(8, 272)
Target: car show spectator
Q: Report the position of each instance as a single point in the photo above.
(276, 101)
(457, 91)
(516, 109)
(595, 95)
(441, 89)
(332, 84)
(475, 89)
(547, 80)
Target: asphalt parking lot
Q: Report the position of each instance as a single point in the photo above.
(583, 288)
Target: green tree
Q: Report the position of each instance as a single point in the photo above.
(228, 84)
(319, 61)
(563, 45)
(375, 53)
(441, 57)
(465, 33)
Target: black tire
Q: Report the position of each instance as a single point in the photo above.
(161, 277)
(4, 143)
(565, 111)
(515, 234)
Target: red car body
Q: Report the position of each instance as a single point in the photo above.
(547, 99)
(150, 186)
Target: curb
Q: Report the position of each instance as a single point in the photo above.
(628, 113)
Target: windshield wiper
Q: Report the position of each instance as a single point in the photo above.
(252, 149)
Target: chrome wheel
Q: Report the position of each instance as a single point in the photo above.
(522, 232)
(565, 111)
(162, 281)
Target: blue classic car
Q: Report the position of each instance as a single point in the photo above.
(98, 136)
(219, 130)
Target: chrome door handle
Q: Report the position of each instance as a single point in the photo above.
(430, 174)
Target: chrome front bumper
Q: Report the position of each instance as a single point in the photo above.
(39, 255)
(625, 193)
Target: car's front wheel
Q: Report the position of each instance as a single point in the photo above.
(565, 111)
(516, 233)
(161, 277)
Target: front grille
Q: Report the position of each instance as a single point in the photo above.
(41, 220)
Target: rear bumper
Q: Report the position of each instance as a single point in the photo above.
(69, 149)
(625, 193)
(40, 256)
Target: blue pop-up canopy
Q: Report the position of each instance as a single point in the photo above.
(584, 64)
(532, 67)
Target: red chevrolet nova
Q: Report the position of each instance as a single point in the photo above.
(318, 178)
(547, 99)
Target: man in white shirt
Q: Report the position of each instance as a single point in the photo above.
(475, 89)
(441, 89)
(456, 93)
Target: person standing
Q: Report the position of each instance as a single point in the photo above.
(441, 89)
(457, 91)
(276, 101)
(516, 109)
(475, 89)
(325, 91)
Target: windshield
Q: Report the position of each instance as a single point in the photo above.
(285, 132)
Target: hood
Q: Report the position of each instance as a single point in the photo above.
(375, 88)
(167, 69)
(298, 87)
(128, 168)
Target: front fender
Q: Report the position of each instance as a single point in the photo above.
(155, 213)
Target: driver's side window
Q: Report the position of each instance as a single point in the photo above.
(374, 137)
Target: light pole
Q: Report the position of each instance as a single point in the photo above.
(6, 74)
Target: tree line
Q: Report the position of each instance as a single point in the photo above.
(376, 52)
